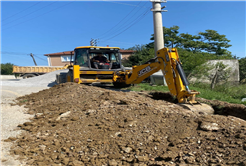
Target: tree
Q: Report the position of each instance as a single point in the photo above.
(194, 50)
(141, 55)
(6, 68)
(171, 38)
(191, 61)
(221, 74)
(209, 41)
(216, 42)
(242, 68)
(192, 42)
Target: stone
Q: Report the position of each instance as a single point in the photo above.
(143, 158)
(209, 126)
(112, 163)
(127, 149)
(64, 115)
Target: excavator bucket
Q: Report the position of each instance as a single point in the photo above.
(199, 108)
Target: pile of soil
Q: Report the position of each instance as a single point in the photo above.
(85, 125)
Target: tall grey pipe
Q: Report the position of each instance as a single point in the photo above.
(158, 27)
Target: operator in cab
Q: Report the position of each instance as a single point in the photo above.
(101, 60)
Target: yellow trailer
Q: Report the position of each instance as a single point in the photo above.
(32, 71)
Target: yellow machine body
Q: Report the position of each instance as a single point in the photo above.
(83, 69)
(168, 62)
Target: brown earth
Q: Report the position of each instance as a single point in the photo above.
(85, 125)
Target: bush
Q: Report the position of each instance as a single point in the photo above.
(242, 68)
(227, 89)
(6, 68)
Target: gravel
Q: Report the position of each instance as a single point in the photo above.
(11, 116)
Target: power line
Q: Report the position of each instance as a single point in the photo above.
(21, 11)
(125, 43)
(14, 53)
(127, 24)
(29, 13)
(17, 53)
(40, 15)
(123, 3)
(25, 57)
(128, 27)
(40, 58)
(120, 21)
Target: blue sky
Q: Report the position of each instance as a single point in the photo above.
(42, 27)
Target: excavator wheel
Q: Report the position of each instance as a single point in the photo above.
(29, 76)
(199, 108)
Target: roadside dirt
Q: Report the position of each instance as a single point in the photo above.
(84, 125)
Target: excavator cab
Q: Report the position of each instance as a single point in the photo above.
(84, 57)
(85, 70)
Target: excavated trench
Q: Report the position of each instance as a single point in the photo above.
(220, 107)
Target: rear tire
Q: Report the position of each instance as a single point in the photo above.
(28, 76)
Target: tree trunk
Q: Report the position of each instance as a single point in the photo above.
(214, 80)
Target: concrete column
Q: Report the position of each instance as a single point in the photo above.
(158, 26)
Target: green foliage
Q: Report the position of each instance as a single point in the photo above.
(242, 68)
(192, 42)
(190, 60)
(6, 68)
(23, 101)
(216, 42)
(225, 92)
(171, 38)
(200, 71)
(221, 74)
(141, 55)
(194, 50)
(209, 41)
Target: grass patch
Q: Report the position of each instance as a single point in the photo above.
(23, 101)
(216, 95)
(228, 93)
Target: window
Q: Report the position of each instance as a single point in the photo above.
(81, 57)
(67, 58)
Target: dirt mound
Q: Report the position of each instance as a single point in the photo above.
(84, 125)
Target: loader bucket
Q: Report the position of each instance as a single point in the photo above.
(199, 108)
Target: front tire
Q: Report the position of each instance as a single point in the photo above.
(25, 76)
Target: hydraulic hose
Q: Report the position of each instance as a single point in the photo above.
(182, 75)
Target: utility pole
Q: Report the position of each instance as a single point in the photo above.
(158, 27)
(94, 42)
(33, 59)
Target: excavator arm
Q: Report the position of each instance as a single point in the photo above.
(175, 76)
(168, 62)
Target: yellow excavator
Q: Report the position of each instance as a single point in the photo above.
(167, 61)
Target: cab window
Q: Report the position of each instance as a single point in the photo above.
(81, 57)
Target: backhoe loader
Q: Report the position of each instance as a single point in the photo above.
(86, 71)
(167, 61)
